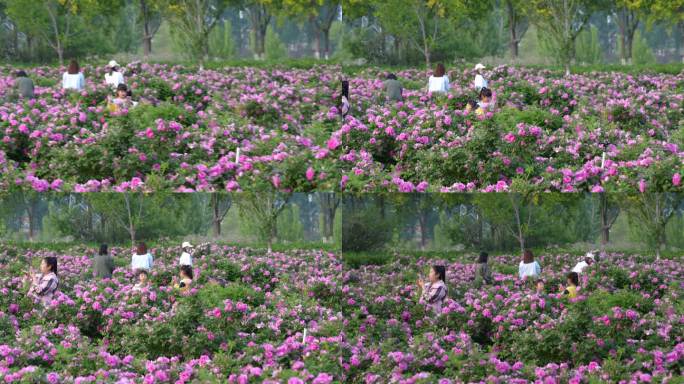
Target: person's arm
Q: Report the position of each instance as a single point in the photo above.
(436, 293)
(81, 80)
(44, 286)
(447, 86)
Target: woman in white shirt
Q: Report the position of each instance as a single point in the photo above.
(582, 265)
(480, 81)
(186, 256)
(73, 78)
(439, 81)
(142, 259)
(528, 266)
(114, 77)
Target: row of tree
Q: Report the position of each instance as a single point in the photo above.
(433, 26)
(507, 221)
(122, 25)
(119, 217)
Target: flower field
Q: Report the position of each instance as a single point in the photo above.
(183, 136)
(596, 132)
(362, 325)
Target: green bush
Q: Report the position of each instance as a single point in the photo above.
(618, 276)
(213, 296)
(162, 89)
(601, 303)
(359, 259)
(364, 231)
(228, 270)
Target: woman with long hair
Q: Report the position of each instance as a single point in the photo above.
(439, 81)
(528, 266)
(73, 78)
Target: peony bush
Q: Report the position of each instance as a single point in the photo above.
(305, 317)
(594, 132)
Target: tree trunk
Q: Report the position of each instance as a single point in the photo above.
(216, 221)
(512, 26)
(60, 54)
(422, 217)
(317, 43)
(326, 43)
(31, 219)
(520, 236)
(147, 46)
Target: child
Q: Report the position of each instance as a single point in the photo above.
(571, 289)
(142, 281)
(485, 99)
(44, 285)
(435, 291)
(392, 88)
(185, 278)
(483, 273)
(122, 99)
(473, 105)
(540, 287)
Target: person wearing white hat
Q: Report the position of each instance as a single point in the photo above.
(186, 257)
(480, 81)
(114, 77)
(582, 265)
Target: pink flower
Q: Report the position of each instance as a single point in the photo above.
(333, 143)
(676, 179)
(509, 137)
(310, 173)
(323, 378)
(275, 179)
(642, 186)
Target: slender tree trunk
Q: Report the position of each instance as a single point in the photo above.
(423, 230)
(512, 25)
(216, 219)
(326, 43)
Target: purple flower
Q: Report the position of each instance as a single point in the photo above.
(322, 378)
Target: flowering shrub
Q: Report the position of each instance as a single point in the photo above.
(603, 131)
(303, 317)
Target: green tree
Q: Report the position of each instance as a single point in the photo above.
(589, 46)
(149, 19)
(562, 21)
(642, 54)
(260, 13)
(57, 21)
(320, 14)
(517, 23)
(262, 210)
(193, 21)
(627, 14)
(221, 42)
(650, 213)
(274, 47)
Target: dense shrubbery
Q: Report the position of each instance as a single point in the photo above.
(244, 321)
